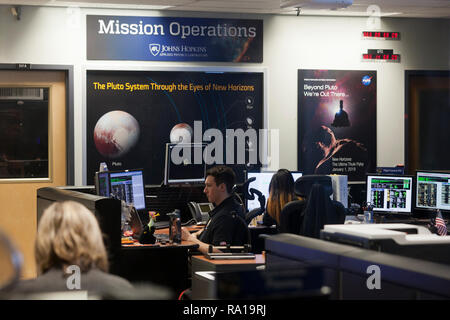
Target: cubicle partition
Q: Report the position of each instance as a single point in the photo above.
(355, 273)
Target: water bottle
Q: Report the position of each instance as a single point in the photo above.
(175, 226)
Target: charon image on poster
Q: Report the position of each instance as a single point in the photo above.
(337, 122)
(132, 115)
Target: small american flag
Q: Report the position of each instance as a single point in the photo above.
(440, 224)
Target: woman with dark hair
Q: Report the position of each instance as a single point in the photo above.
(281, 191)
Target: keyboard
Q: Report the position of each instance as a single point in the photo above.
(161, 224)
(161, 237)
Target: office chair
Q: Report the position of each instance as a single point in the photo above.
(257, 211)
(10, 264)
(291, 217)
(292, 214)
(307, 217)
(241, 231)
(250, 195)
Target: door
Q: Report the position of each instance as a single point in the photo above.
(18, 196)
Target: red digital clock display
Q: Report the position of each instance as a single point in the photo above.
(386, 57)
(381, 54)
(381, 35)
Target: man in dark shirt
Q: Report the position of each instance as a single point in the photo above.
(226, 224)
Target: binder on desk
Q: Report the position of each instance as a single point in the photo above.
(230, 256)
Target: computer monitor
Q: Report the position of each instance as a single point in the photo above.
(390, 194)
(262, 183)
(128, 185)
(433, 190)
(102, 186)
(184, 163)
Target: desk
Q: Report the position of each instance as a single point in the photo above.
(203, 270)
(161, 264)
(201, 263)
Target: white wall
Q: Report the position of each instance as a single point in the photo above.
(47, 35)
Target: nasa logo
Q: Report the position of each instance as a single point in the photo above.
(366, 80)
(155, 48)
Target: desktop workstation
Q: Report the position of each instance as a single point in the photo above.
(394, 194)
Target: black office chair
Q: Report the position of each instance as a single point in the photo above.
(291, 217)
(250, 194)
(307, 217)
(249, 216)
(241, 233)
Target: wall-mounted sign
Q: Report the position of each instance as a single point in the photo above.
(174, 39)
(381, 55)
(337, 129)
(381, 35)
(131, 115)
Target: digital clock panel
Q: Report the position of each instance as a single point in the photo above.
(381, 54)
(381, 35)
(387, 57)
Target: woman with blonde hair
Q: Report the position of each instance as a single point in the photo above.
(281, 191)
(69, 244)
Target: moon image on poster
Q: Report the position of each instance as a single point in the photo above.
(182, 132)
(115, 133)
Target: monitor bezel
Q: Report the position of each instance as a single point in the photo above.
(195, 181)
(422, 209)
(387, 212)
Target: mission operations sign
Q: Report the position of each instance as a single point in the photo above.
(174, 39)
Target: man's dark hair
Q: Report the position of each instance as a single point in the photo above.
(223, 174)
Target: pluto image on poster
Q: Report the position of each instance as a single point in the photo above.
(132, 115)
(337, 122)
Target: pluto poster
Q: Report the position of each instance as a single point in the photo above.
(337, 122)
(131, 115)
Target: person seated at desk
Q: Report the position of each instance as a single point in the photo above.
(69, 240)
(281, 191)
(226, 225)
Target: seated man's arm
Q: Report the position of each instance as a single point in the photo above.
(192, 237)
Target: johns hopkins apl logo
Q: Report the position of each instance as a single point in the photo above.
(366, 80)
(154, 48)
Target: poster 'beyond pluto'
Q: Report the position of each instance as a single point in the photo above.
(131, 115)
(337, 122)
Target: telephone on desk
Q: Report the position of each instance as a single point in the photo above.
(200, 211)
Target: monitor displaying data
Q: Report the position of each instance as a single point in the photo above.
(128, 185)
(390, 194)
(262, 183)
(433, 190)
(184, 163)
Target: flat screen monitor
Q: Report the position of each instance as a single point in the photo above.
(390, 194)
(433, 190)
(102, 186)
(262, 183)
(184, 163)
(128, 185)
